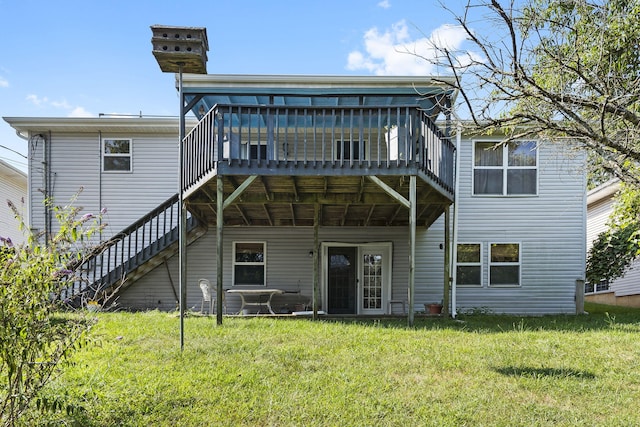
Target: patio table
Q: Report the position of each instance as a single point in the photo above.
(263, 297)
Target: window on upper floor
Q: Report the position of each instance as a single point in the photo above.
(249, 263)
(350, 150)
(504, 264)
(505, 170)
(253, 151)
(469, 264)
(116, 155)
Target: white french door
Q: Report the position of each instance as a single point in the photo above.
(356, 277)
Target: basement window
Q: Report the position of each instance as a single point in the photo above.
(504, 264)
(249, 263)
(469, 265)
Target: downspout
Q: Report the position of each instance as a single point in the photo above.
(100, 178)
(454, 239)
(47, 190)
(29, 177)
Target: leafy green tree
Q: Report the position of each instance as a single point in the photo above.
(559, 70)
(614, 249)
(36, 337)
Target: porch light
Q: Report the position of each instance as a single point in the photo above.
(181, 50)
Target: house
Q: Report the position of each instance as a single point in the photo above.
(624, 290)
(338, 190)
(13, 188)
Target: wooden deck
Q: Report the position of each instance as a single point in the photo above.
(340, 159)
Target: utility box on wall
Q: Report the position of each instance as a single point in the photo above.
(180, 45)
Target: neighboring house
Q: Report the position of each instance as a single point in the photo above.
(626, 289)
(13, 187)
(351, 172)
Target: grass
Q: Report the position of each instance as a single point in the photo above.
(480, 370)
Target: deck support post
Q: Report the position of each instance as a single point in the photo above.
(219, 247)
(447, 262)
(316, 226)
(412, 247)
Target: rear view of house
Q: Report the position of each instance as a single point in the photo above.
(338, 191)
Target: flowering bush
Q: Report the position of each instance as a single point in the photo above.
(36, 337)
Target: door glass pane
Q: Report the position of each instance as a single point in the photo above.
(341, 281)
(372, 281)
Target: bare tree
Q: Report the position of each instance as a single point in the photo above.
(556, 68)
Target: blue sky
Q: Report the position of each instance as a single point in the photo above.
(82, 58)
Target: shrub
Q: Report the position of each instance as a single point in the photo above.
(36, 337)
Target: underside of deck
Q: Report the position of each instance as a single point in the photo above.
(290, 200)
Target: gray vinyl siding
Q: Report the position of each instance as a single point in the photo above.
(76, 163)
(597, 217)
(13, 187)
(289, 266)
(550, 228)
(72, 166)
(629, 283)
(128, 196)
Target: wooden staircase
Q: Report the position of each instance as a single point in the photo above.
(115, 264)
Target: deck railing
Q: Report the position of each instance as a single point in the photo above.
(354, 140)
(111, 261)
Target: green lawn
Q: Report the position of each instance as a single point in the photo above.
(476, 371)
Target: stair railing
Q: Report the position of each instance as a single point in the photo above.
(108, 264)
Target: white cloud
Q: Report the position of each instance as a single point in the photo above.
(4, 82)
(385, 4)
(63, 104)
(395, 52)
(80, 112)
(36, 100)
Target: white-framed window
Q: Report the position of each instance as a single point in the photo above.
(253, 151)
(469, 264)
(505, 170)
(249, 263)
(349, 150)
(504, 264)
(116, 154)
